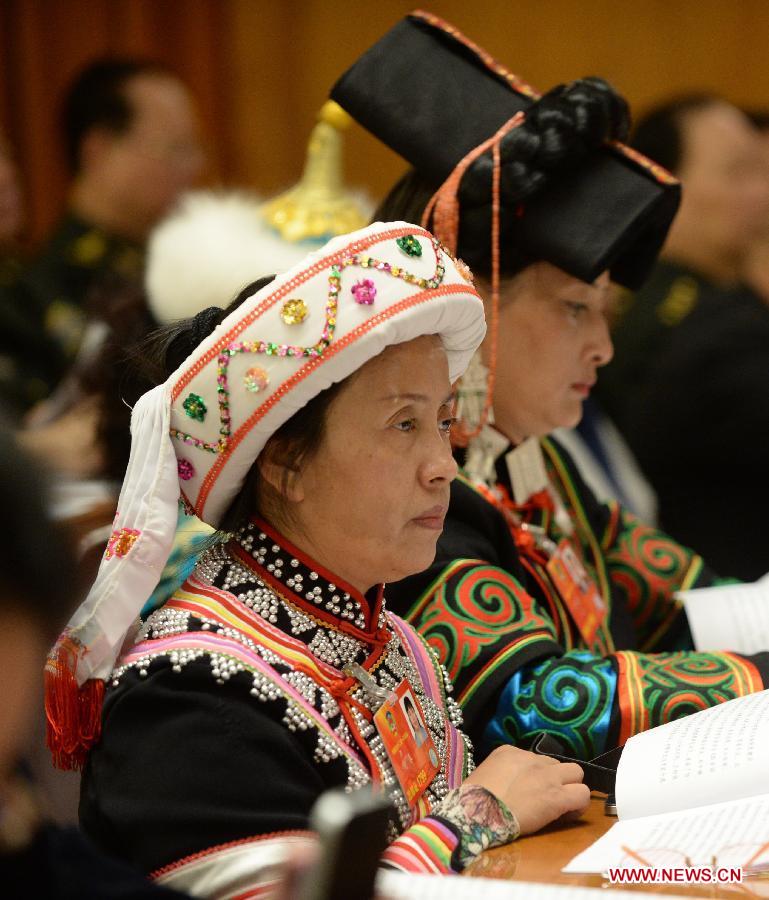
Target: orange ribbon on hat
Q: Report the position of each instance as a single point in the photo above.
(443, 208)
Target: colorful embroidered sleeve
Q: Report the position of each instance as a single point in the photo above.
(646, 568)
(641, 566)
(483, 625)
(592, 704)
(466, 822)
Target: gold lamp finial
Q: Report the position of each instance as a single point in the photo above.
(319, 206)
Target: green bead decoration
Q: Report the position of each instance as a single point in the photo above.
(195, 407)
(410, 245)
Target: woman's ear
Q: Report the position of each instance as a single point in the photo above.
(284, 481)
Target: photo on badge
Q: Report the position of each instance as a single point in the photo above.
(412, 717)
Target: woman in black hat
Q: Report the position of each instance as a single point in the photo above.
(553, 612)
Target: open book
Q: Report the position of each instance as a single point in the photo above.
(732, 617)
(694, 790)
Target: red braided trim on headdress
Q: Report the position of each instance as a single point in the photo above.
(443, 208)
(493, 65)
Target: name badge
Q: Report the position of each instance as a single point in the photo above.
(401, 725)
(577, 590)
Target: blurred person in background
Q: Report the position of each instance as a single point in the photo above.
(133, 146)
(28, 359)
(37, 590)
(210, 245)
(688, 386)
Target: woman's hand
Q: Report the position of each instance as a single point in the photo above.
(537, 789)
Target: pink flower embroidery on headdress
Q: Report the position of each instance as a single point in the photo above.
(120, 542)
(364, 292)
(186, 469)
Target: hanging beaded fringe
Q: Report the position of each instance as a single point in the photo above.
(443, 209)
(73, 713)
(471, 397)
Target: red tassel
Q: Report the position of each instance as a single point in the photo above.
(73, 713)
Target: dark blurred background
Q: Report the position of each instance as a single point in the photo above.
(261, 68)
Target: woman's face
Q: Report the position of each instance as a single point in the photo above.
(370, 504)
(553, 336)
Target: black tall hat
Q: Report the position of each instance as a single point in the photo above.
(433, 96)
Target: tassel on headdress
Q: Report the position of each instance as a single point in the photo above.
(442, 212)
(73, 713)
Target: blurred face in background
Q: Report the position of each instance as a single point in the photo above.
(11, 212)
(757, 264)
(725, 200)
(143, 170)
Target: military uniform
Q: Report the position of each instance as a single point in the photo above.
(29, 359)
(55, 288)
(689, 389)
(520, 663)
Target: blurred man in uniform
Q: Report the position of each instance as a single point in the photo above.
(689, 383)
(133, 146)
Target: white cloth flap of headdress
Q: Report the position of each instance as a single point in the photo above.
(141, 539)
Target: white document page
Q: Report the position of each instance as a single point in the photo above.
(734, 617)
(401, 886)
(731, 832)
(721, 753)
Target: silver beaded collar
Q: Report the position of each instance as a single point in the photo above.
(297, 576)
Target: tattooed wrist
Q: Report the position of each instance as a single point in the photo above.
(480, 820)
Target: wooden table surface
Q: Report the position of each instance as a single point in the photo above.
(541, 857)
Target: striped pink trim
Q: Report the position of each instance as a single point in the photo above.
(247, 619)
(415, 850)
